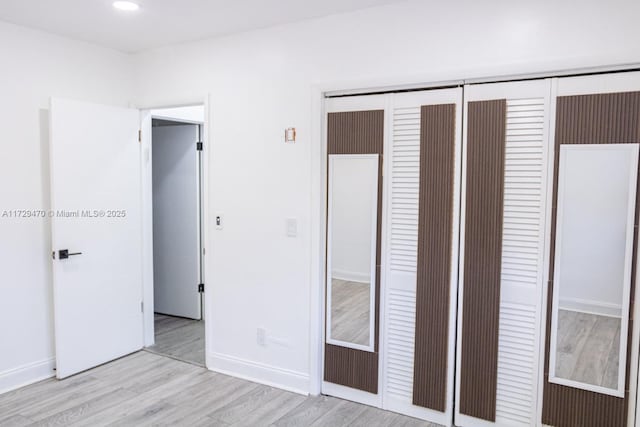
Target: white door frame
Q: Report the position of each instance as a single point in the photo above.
(147, 216)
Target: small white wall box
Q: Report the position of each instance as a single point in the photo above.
(292, 227)
(290, 135)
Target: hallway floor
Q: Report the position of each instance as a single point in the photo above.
(180, 338)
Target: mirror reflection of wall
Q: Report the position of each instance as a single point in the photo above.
(592, 280)
(353, 202)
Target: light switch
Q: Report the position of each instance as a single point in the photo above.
(292, 227)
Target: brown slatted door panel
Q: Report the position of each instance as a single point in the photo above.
(482, 257)
(351, 368)
(357, 132)
(435, 228)
(589, 119)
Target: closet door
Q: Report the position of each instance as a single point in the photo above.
(591, 348)
(504, 221)
(355, 143)
(421, 253)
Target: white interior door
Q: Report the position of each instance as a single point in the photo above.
(95, 195)
(176, 220)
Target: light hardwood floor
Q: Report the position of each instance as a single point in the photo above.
(588, 348)
(146, 389)
(180, 338)
(350, 306)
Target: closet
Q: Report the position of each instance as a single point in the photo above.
(482, 251)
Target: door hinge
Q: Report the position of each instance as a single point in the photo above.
(199, 146)
(142, 307)
(201, 287)
(140, 135)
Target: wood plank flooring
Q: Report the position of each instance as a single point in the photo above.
(588, 348)
(350, 306)
(146, 389)
(179, 338)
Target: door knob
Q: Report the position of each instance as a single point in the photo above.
(64, 254)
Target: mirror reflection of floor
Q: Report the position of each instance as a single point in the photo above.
(588, 348)
(350, 311)
(179, 338)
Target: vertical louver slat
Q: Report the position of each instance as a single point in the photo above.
(522, 257)
(403, 253)
(400, 343)
(405, 183)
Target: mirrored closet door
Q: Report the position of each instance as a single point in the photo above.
(392, 232)
(355, 129)
(592, 342)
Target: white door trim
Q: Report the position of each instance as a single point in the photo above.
(147, 217)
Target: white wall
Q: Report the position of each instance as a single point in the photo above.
(262, 82)
(36, 66)
(352, 209)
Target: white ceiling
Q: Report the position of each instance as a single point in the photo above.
(162, 22)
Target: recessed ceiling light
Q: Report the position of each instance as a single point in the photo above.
(126, 5)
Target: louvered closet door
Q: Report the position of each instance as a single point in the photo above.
(504, 221)
(422, 170)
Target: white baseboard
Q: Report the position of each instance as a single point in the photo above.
(592, 307)
(296, 382)
(351, 276)
(26, 374)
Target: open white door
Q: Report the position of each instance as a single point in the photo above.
(96, 212)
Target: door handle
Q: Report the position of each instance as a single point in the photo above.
(64, 254)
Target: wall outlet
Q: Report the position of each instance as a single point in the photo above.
(262, 337)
